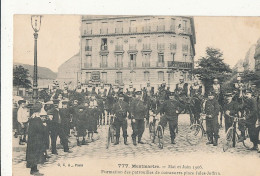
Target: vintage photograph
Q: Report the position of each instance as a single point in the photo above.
(135, 95)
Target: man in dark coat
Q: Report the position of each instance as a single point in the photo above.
(230, 110)
(57, 129)
(212, 126)
(36, 148)
(171, 108)
(65, 113)
(138, 111)
(120, 110)
(81, 121)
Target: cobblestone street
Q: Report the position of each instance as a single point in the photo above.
(97, 149)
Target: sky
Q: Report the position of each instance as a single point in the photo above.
(59, 38)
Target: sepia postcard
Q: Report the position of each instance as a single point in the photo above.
(135, 95)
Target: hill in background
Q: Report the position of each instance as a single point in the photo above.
(43, 72)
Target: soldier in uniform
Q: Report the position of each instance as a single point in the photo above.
(195, 88)
(120, 110)
(65, 113)
(138, 111)
(57, 129)
(171, 108)
(81, 121)
(239, 87)
(212, 126)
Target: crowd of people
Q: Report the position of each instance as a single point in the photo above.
(81, 111)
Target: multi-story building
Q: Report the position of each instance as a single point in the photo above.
(137, 49)
(257, 57)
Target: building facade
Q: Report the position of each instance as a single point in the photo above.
(137, 49)
(257, 57)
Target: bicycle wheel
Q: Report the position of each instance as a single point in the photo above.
(228, 142)
(247, 143)
(152, 131)
(160, 136)
(109, 138)
(195, 134)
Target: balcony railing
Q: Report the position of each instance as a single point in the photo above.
(88, 48)
(103, 47)
(160, 64)
(132, 47)
(146, 46)
(119, 48)
(147, 29)
(146, 64)
(182, 65)
(87, 65)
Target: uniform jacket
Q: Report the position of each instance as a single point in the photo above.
(171, 108)
(250, 107)
(232, 107)
(138, 109)
(120, 109)
(212, 108)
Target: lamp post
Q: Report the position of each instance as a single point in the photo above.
(36, 25)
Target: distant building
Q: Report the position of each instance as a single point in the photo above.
(257, 57)
(249, 61)
(69, 72)
(137, 49)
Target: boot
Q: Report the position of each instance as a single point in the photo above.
(125, 140)
(215, 142)
(117, 141)
(83, 142)
(134, 141)
(21, 142)
(24, 138)
(210, 141)
(172, 141)
(78, 143)
(255, 147)
(139, 140)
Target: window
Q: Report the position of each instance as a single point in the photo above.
(119, 78)
(146, 61)
(103, 62)
(173, 21)
(146, 45)
(133, 27)
(160, 44)
(88, 28)
(184, 25)
(161, 25)
(88, 45)
(132, 60)
(104, 77)
(88, 62)
(119, 61)
(119, 44)
(147, 27)
(160, 76)
(146, 76)
(103, 44)
(88, 77)
(132, 76)
(184, 57)
(104, 28)
(132, 43)
(119, 27)
(160, 62)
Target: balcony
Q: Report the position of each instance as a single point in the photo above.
(147, 29)
(181, 65)
(88, 48)
(103, 48)
(146, 64)
(160, 64)
(87, 65)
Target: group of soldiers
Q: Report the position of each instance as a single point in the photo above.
(83, 110)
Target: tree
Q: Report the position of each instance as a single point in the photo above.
(212, 66)
(251, 77)
(20, 77)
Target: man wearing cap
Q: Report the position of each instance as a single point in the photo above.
(120, 110)
(65, 113)
(250, 108)
(215, 87)
(138, 111)
(230, 110)
(23, 114)
(171, 108)
(57, 129)
(212, 126)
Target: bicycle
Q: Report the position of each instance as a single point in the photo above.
(232, 136)
(196, 131)
(156, 129)
(111, 133)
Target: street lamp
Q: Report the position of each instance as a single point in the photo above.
(36, 25)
